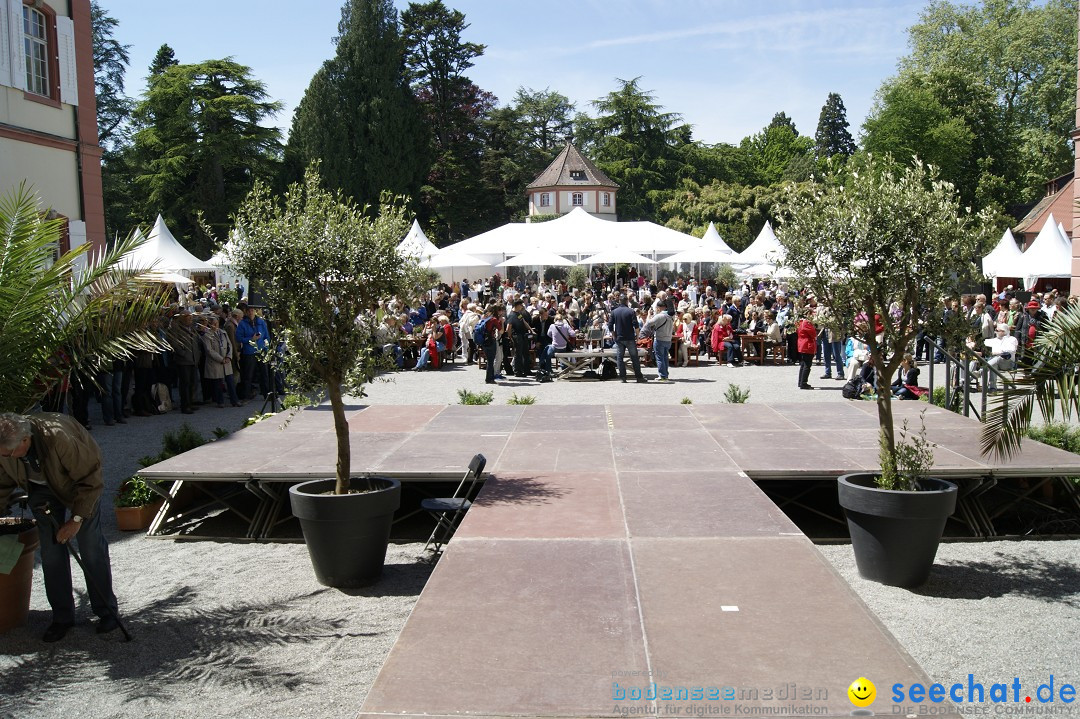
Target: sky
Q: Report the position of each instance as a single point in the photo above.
(726, 66)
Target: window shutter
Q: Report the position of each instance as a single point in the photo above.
(15, 51)
(69, 81)
(5, 49)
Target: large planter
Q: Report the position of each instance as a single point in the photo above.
(136, 519)
(895, 534)
(15, 587)
(346, 534)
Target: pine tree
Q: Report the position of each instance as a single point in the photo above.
(832, 136)
(358, 116)
(163, 60)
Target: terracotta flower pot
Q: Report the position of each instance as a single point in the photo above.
(136, 519)
(15, 587)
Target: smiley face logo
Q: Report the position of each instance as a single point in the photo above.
(862, 692)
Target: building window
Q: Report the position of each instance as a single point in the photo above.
(577, 199)
(35, 47)
(545, 199)
(607, 199)
(578, 175)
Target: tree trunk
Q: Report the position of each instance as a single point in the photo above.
(341, 431)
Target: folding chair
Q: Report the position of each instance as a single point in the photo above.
(449, 511)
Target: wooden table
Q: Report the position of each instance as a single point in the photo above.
(573, 362)
(748, 341)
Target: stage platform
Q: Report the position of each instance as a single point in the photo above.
(619, 556)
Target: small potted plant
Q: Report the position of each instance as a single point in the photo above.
(136, 505)
(896, 516)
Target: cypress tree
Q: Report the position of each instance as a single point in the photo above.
(832, 136)
(358, 116)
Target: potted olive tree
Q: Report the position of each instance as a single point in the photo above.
(886, 243)
(60, 315)
(322, 265)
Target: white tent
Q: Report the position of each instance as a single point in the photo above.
(617, 255)
(576, 233)
(1050, 255)
(713, 240)
(416, 244)
(764, 249)
(162, 252)
(537, 258)
(701, 254)
(1005, 259)
(227, 276)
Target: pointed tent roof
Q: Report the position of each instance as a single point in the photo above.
(573, 169)
(223, 257)
(713, 240)
(416, 243)
(764, 249)
(1005, 260)
(1048, 256)
(163, 253)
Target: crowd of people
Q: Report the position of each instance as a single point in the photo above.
(212, 354)
(523, 323)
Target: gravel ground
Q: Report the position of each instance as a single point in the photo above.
(233, 629)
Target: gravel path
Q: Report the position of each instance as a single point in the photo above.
(232, 629)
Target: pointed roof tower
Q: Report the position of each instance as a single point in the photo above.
(573, 169)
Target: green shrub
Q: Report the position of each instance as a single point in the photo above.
(220, 432)
(174, 443)
(134, 492)
(467, 397)
(515, 399)
(686, 400)
(1058, 435)
(736, 394)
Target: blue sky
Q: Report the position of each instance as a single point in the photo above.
(725, 65)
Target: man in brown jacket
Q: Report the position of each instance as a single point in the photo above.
(56, 461)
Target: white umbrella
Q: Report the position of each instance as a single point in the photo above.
(700, 254)
(616, 256)
(453, 259)
(537, 258)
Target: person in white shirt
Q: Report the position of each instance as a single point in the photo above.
(1001, 354)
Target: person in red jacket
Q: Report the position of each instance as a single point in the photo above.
(806, 344)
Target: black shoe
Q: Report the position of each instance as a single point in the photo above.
(826, 376)
(642, 380)
(56, 631)
(106, 625)
(624, 381)
(490, 381)
(805, 386)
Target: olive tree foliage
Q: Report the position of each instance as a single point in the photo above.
(323, 264)
(878, 238)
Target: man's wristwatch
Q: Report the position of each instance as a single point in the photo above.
(76, 518)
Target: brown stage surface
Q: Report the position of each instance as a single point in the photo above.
(616, 547)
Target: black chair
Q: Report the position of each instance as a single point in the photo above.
(449, 511)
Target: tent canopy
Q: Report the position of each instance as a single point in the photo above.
(1050, 255)
(713, 240)
(416, 244)
(223, 257)
(1005, 260)
(162, 252)
(764, 249)
(703, 253)
(615, 256)
(575, 233)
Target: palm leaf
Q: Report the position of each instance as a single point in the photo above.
(62, 314)
(1049, 380)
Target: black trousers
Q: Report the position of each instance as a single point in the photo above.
(188, 376)
(489, 353)
(806, 361)
(521, 355)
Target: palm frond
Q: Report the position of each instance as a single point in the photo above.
(1049, 380)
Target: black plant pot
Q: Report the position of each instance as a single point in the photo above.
(895, 534)
(346, 534)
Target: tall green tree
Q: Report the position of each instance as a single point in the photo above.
(779, 153)
(1025, 53)
(358, 116)
(634, 142)
(946, 119)
(833, 137)
(547, 117)
(201, 146)
(110, 65)
(164, 58)
(456, 199)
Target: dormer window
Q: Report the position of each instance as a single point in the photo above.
(578, 175)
